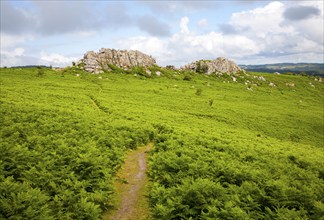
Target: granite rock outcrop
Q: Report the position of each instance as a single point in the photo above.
(219, 66)
(98, 62)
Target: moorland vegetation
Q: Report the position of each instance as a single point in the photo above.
(243, 146)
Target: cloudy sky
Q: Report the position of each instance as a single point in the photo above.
(174, 32)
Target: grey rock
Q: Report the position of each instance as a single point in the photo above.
(290, 84)
(218, 66)
(260, 78)
(311, 84)
(271, 84)
(148, 72)
(98, 62)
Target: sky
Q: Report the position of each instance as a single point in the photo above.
(175, 33)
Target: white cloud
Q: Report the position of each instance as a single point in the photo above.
(14, 54)
(261, 21)
(13, 57)
(55, 59)
(184, 25)
(260, 35)
(184, 46)
(9, 40)
(279, 37)
(203, 22)
(17, 52)
(18, 57)
(310, 27)
(154, 46)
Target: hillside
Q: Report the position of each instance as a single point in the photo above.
(316, 69)
(243, 146)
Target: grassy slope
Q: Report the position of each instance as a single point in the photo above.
(268, 134)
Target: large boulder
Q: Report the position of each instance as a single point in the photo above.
(219, 65)
(98, 62)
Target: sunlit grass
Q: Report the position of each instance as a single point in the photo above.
(63, 136)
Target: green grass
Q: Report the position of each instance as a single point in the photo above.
(251, 154)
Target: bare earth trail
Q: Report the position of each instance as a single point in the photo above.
(132, 187)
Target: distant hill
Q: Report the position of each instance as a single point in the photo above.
(297, 68)
(32, 66)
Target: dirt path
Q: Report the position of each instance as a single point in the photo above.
(132, 187)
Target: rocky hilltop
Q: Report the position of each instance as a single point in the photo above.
(219, 66)
(98, 62)
(105, 59)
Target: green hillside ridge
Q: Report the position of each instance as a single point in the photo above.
(296, 68)
(241, 146)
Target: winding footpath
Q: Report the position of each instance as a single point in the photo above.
(132, 187)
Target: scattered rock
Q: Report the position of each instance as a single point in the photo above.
(261, 78)
(311, 84)
(247, 82)
(277, 73)
(290, 84)
(271, 84)
(218, 66)
(98, 62)
(148, 72)
(158, 73)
